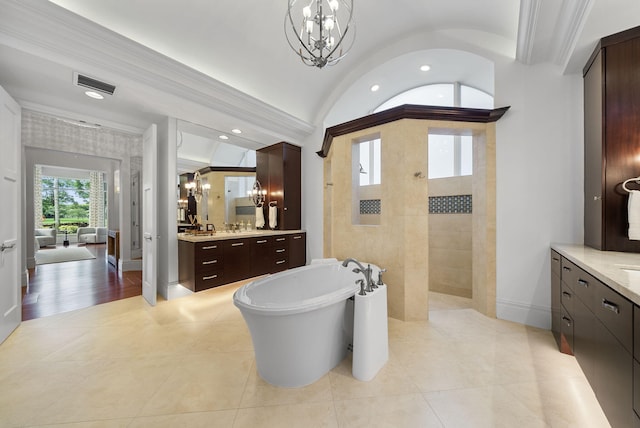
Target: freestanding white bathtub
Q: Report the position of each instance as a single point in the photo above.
(301, 321)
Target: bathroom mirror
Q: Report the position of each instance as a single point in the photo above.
(228, 201)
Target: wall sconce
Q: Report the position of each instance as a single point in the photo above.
(257, 194)
(197, 187)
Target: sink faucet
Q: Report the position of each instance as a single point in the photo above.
(366, 271)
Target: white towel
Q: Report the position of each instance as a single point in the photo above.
(273, 216)
(634, 214)
(259, 217)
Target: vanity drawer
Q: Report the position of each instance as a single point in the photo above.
(582, 283)
(208, 262)
(262, 242)
(206, 280)
(566, 332)
(636, 336)
(636, 387)
(206, 250)
(556, 263)
(616, 314)
(566, 297)
(281, 240)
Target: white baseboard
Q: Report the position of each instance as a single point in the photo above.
(176, 291)
(173, 291)
(533, 315)
(127, 265)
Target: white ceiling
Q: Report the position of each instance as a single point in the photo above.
(225, 64)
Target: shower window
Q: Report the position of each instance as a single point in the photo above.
(450, 155)
(366, 175)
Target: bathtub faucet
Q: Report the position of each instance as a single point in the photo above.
(366, 271)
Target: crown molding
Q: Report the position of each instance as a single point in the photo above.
(571, 21)
(529, 14)
(410, 111)
(52, 32)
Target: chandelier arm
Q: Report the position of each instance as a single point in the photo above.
(302, 43)
(339, 44)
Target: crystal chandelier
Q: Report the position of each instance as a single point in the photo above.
(321, 32)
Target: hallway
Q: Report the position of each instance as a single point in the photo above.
(62, 287)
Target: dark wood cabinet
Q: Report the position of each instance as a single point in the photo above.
(208, 264)
(611, 126)
(278, 168)
(585, 345)
(237, 259)
(597, 324)
(614, 378)
(262, 254)
(297, 250)
(200, 265)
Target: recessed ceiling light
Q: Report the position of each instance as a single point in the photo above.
(94, 94)
(425, 68)
(236, 131)
(375, 88)
(223, 137)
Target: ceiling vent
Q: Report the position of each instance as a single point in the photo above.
(93, 84)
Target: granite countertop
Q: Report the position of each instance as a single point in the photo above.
(221, 235)
(620, 271)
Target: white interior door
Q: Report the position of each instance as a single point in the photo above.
(10, 226)
(150, 215)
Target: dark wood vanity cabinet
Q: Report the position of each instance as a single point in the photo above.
(556, 311)
(203, 265)
(278, 168)
(237, 259)
(598, 325)
(200, 265)
(297, 250)
(636, 364)
(611, 124)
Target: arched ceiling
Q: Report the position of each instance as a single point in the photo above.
(225, 64)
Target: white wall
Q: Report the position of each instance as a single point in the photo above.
(539, 184)
(167, 259)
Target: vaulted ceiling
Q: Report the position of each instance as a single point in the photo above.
(225, 64)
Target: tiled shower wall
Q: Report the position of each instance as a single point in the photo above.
(450, 235)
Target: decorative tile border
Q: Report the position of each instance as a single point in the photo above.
(370, 206)
(458, 204)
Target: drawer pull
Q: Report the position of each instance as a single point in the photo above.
(262, 241)
(583, 283)
(210, 247)
(610, 306)
(281, 250)
(297, 237)
(279, 262)
(237, 244)
(207, 278)
(564, 293)
(567, 320)
(210, 262)
(280, 239)
(567, 268)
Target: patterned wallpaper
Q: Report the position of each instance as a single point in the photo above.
(48, 132)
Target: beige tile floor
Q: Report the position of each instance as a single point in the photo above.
(189, 363)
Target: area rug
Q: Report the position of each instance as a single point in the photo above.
(60, 255)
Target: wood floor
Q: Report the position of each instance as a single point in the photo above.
(62, 287)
